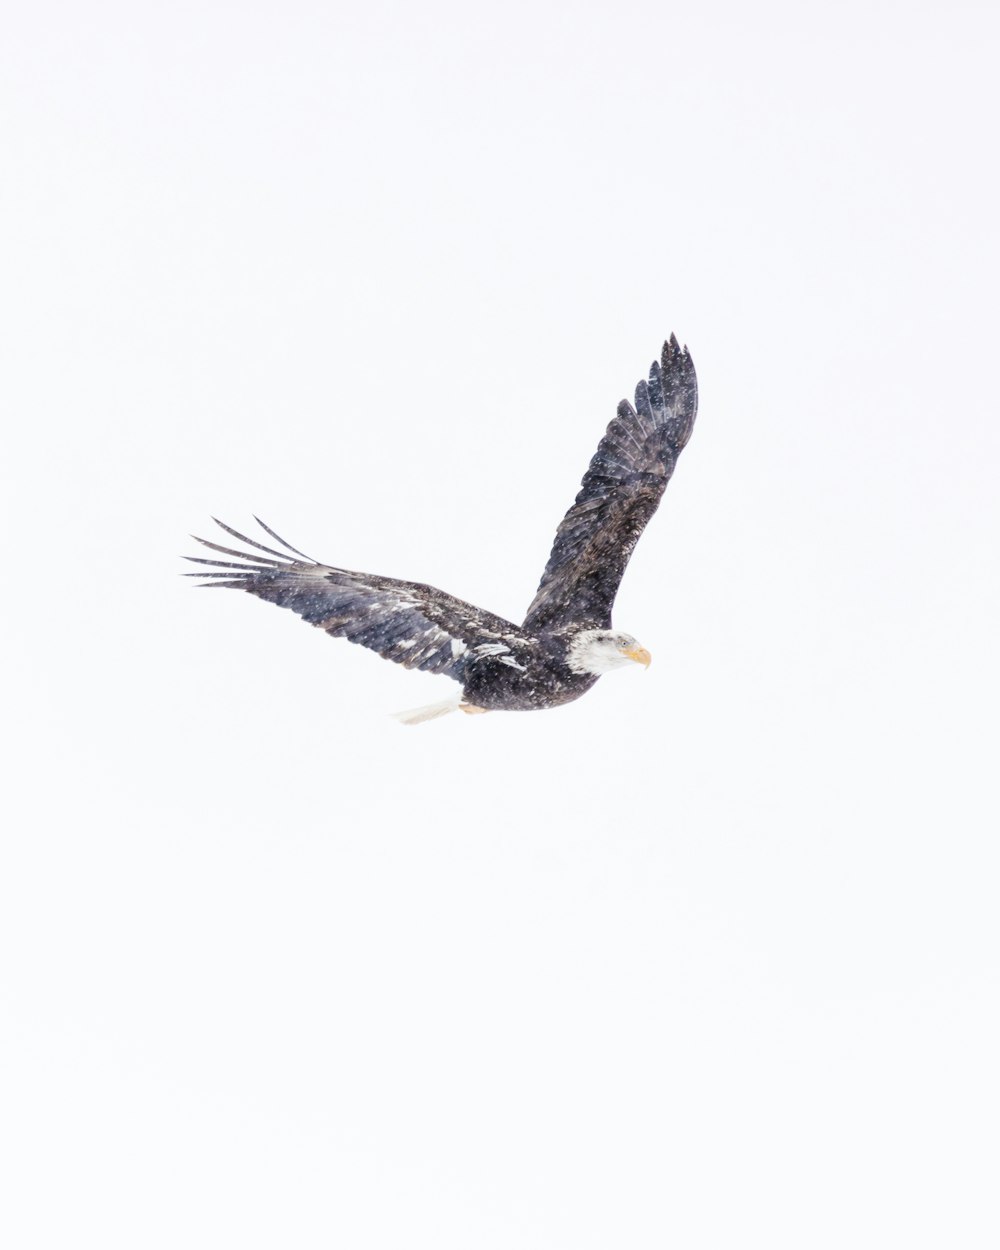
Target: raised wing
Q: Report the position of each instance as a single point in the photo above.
(620, 492)
(412, 624)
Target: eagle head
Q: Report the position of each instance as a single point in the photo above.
(598, 651)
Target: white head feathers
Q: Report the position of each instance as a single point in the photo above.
(598, 651)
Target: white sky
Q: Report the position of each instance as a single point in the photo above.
(707, 959)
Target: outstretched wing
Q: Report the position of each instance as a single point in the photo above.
(412, 624)
(620, 492)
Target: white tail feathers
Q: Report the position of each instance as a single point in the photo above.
(417, 715)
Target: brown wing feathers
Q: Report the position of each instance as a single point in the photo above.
(619, 493)
(413, 624)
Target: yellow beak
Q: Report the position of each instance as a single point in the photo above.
(640, 655)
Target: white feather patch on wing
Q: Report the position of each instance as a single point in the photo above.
(512, 663)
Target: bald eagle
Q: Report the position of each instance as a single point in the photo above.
(566, 640)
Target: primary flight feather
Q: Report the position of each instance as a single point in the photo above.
(566, 640)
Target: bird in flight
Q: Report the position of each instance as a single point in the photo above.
(566, 640)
